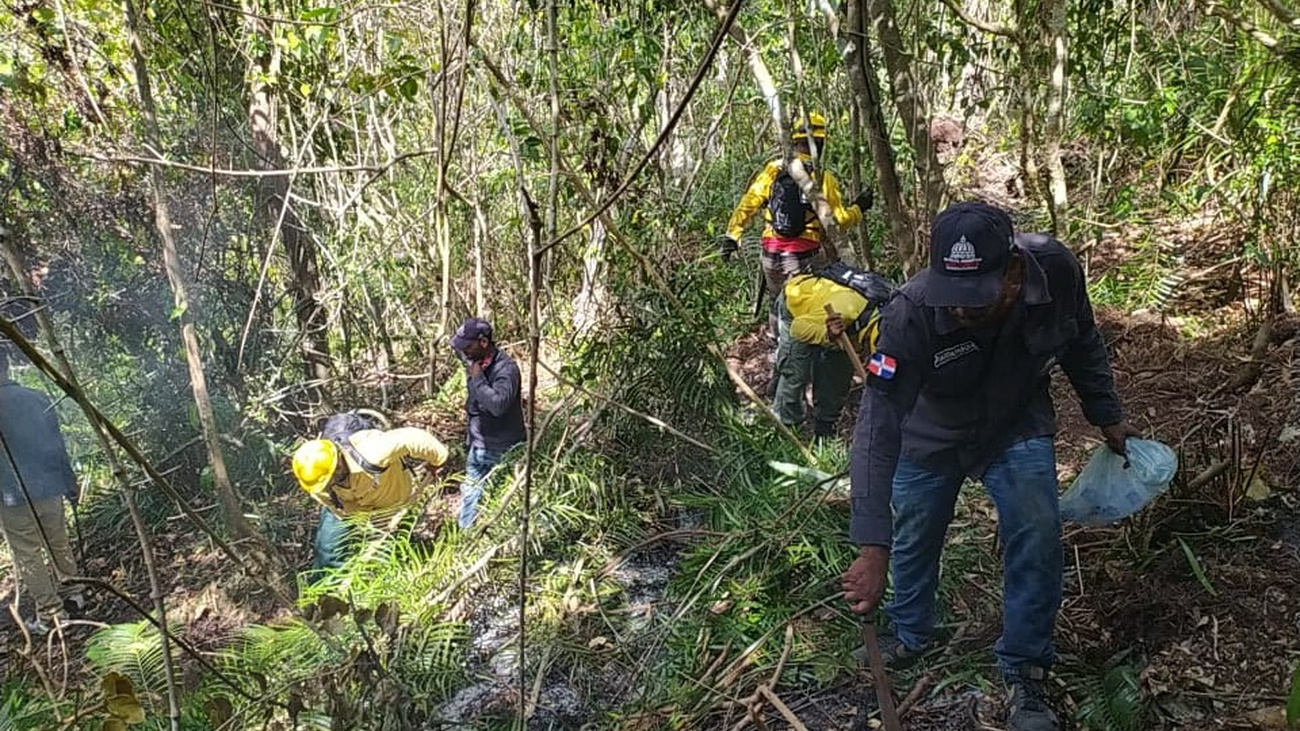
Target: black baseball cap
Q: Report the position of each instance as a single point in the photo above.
(970, 245)
(470, 331)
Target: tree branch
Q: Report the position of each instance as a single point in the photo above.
(1282, 13)
(278, 173)
(1245, 26)
(997, 29)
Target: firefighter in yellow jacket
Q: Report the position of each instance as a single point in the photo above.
(360, 473)
(806, 339)
(792, 233)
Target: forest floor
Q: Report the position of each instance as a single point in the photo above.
(1199, 594)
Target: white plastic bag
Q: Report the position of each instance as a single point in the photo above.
(1111, 488)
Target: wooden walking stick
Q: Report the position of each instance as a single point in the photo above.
(847, 345)
(884, 694)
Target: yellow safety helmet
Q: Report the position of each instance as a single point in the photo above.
(815, 120)
(314, 464)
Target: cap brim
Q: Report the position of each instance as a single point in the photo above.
(459, 343)
(981, 291)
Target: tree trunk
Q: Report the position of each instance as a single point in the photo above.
(863, 77)
(1053, 13)
(230, 504)
(911, 106)
(274, 208)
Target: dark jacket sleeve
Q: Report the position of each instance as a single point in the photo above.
(877, 437)
(496, 396)
(1087, 364)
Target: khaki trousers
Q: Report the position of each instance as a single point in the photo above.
(33, 560)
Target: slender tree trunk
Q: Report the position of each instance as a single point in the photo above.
(1053, 12)
(867, 91)
(911, 106)
(234, 513)
(274, 208)
(862, 245)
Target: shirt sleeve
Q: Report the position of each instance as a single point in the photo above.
(498, 394)
(753, 200)
(809, 328)
(844, 216)
(896, 374)
(409, 441)
(1087, 364)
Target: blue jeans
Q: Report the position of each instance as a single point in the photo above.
(332, 542)
(478, 466)
(1022, 484)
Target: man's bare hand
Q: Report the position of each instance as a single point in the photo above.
(1116, 436)
(864, 582)
(834, 327)
(475, 369)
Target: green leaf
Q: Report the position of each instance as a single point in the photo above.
(1293, 701)
(176, 313)
(1196, 568)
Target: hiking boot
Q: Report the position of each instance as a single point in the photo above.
(895, 654)
(1027, 708)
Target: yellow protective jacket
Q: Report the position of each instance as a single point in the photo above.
(755, 198)
(806, 297)
(393, 487)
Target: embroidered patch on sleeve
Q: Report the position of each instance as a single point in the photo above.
(882, 366)
(956, 352)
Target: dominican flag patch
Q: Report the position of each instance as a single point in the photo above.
(882, 366)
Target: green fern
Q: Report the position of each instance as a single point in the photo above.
(1113, 701)
(134, 650)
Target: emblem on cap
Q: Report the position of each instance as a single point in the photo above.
(962, 258)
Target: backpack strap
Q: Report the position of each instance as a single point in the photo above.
(370, 468)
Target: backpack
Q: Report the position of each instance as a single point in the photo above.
(876, 289)
(787, 206)
(339, 429)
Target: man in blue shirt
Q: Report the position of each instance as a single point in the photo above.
(492, 403)
(35, 477)
(957, 388)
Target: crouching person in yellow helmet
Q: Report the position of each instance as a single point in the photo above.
(806, 339)
(792, 234)
(356, 468)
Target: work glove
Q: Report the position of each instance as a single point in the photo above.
(864, 200)
(727, 246)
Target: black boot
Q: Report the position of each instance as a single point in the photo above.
(1027, 708)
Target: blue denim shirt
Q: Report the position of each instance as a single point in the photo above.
(30, 436)
(952, 399)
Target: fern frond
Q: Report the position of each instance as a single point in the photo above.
(134, 650)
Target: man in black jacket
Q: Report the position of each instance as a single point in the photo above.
(957, 388)
(496, 416)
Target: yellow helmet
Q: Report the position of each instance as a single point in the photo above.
(815, 120)
(314, 464)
